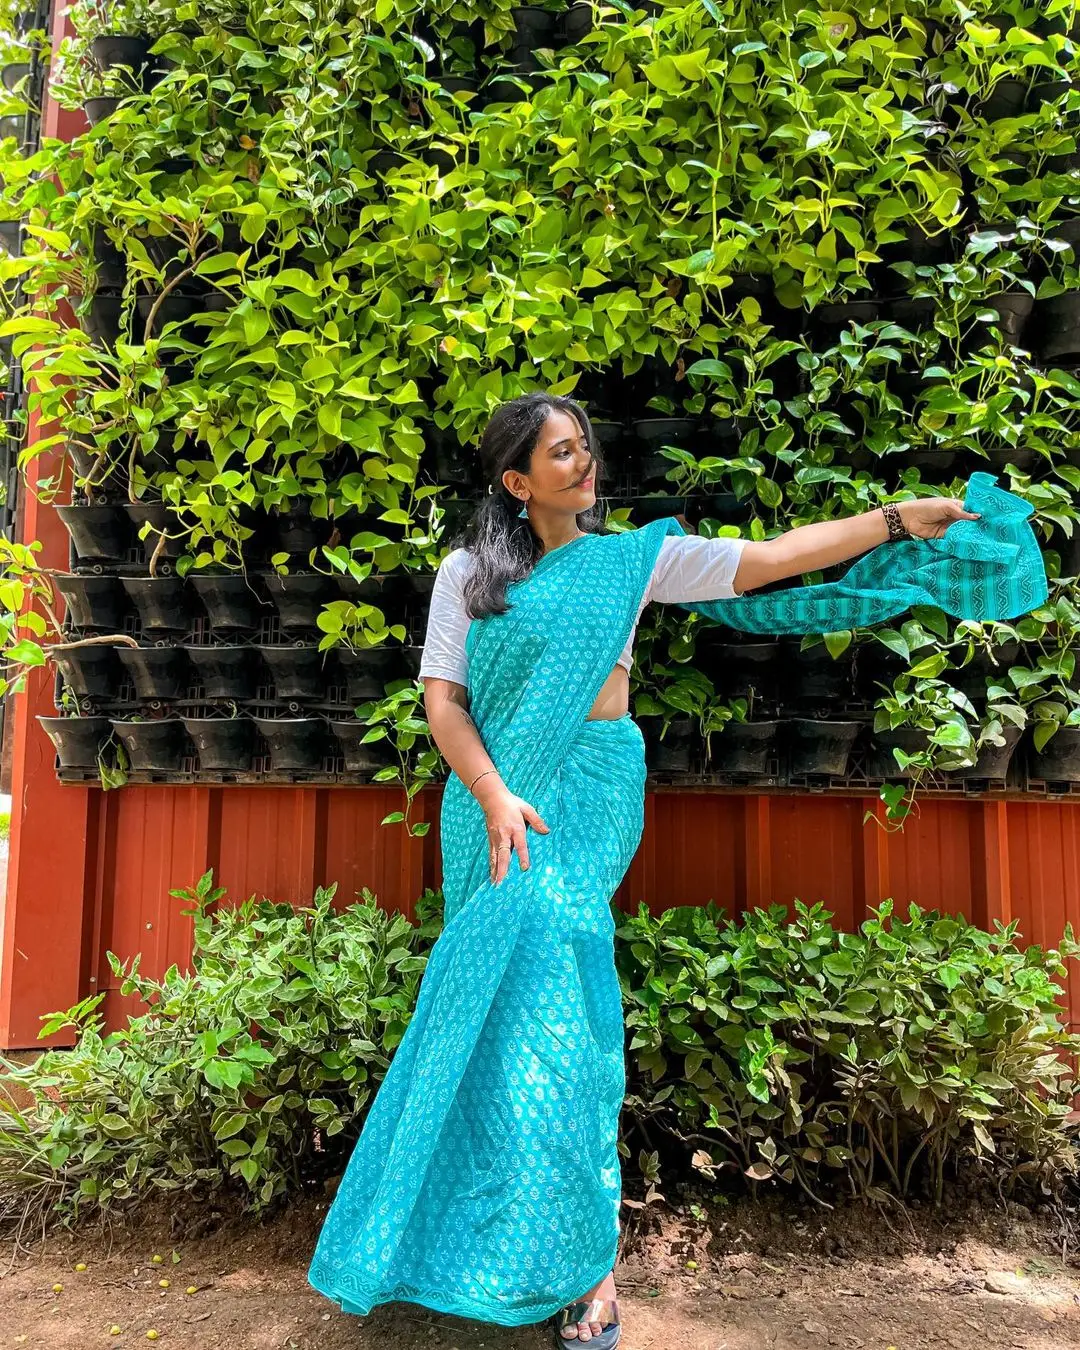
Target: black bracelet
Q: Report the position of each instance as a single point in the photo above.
(897, 528)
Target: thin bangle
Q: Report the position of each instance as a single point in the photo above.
(479, 776)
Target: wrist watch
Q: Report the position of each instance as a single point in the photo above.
(897, 528)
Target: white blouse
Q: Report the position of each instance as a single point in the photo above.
(688, 567)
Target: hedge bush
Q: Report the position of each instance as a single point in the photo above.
(866, 1063)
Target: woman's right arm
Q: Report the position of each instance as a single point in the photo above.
(444, 670)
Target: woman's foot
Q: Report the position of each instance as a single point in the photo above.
(585, 1331)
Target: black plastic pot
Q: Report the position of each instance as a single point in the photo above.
(1022, 457)
(656, 432)
(881, 762)
(98, 109)
(828, 321)
(222, 743)
(513, 84)
(298, 673)
(819, 747)
(678, 751)
(1057, 320)
(533, 27)
(299, 597)
(971, 679)
(227, 674)
(1013, 309)
(296, 531)
(11, 237)
(815, 678)
(743, 747)
(162, 603)
(98, 532)
(366, 673)
(458, 84)
(163, 529)
(95, 604)
(992, 761)
(382, 591)
(91, 673)
(451, 462)
(1007, 99)
(160, 674)
(720, 506)
(173, 309)
(646, 509)
(110, 50)
(739, 668)
(110, 263)
(929, 461)
(296, 744)
(11, 74)
(1059, 759)
(158, 745)
(78, 740)
(1047, 91)
(12, 125)
(359, 757)
(577, 23)
(102, 320)
(231, 603)
(912, 312)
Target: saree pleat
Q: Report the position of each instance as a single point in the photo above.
(486, 1178)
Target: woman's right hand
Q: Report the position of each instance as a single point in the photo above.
(507, 817)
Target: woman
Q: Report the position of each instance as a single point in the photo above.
(486, 1180)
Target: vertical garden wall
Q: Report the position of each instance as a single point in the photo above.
(282, 260)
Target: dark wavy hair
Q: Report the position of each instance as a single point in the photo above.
(505, 548)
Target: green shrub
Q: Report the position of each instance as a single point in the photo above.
(805, 1052)
(791, 1051)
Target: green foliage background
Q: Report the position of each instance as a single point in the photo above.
(687, 186)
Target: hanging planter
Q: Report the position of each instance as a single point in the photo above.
(227, 674)
(296, 744)
(815, 677)
(739, 669)
(78, 740)
(298, 673)
(13, 125)
(1057, 321)
(110, 50)
(230, 602)
(992, 761)
(299, 597)
(1023, 458)
(98, 532)
(12, 75)
(162, 603)
(971, 679)
(92, 674)
(360, 756)
(174, 308)
(678, 751)
(724, 507)
(102, 320)
(743, 748)
(912, 312)
(94, 604)
(383, 591)
(223, 744)
(163, 531)
(829, 321)
(534, 28)
(109, 263)
(453, 464)
(1007, 99)
(513, 84)
(100, 109)
(643, 510)
(1059, 759)
(366, 673)
(929, 460)
(882, 763)
(577, 23)
(296, 531)
(11, 237)
(158, 745)
(160, 674)
(1013, 310)
(817, 747)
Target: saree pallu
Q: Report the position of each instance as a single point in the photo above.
(486, 1179)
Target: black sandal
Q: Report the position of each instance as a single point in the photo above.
(602, 1310)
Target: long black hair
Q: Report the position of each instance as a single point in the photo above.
(505, 547)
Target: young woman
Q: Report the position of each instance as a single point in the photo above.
(486, 1181)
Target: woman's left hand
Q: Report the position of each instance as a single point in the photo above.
(930, 517)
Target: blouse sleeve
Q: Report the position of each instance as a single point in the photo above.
(443, 655)
(690, 567)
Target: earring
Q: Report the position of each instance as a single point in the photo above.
(523, 514)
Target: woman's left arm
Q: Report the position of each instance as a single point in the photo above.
(810, 548)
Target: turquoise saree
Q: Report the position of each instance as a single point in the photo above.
(486, 1180)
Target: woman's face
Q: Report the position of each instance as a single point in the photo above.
(562, 472)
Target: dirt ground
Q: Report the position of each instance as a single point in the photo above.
(767, 1275)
